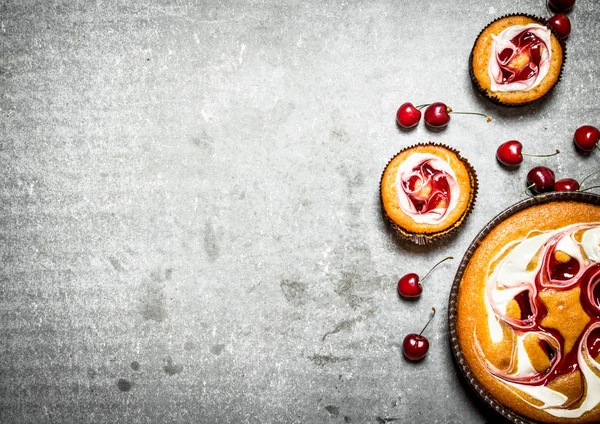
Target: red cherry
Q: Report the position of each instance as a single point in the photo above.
(509, 153)
(409, 285)
(408, 115)
(540, 179)
(437, 115)
(415, 346)
(566, 184)
(561, 5)
(561, 24)
(586, 137)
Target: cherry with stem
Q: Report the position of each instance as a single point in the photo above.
(415, 346)
(540, 179)
(571, 184)
(510, 153)
(437, 115)
(410, 284)
(409, 115)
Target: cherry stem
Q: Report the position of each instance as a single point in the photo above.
(435, 266)
(589, 188)
(542, 156)
(432, 315)
(489, 118)
(528, 188)
(597, 147)
(422, 106)
(586, 178)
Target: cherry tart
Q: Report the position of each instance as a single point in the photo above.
(516, 60)
(528, 312)
(427, 191)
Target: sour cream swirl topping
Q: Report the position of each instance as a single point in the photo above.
(520, 58)
(426, 187)
(524, 272)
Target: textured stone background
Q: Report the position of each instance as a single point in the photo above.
(189, 217)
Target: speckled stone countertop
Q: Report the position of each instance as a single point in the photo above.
(190, 228)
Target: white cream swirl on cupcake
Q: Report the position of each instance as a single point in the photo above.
(520, 58)
(528, 272)
(427, 188)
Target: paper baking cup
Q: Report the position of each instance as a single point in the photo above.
(461, 362)
(492, 97)
(429, 238)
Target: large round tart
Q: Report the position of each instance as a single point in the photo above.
(525, 310)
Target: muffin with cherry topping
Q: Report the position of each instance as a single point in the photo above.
(427, 191)
(516, 60)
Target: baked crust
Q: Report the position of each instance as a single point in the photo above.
(389, 194)
(481, 53)
(471, 318)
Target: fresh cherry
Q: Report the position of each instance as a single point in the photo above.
(510, 153)
(410, 286)
(586, 137)
(415, 346)
(561, 24)
(437, 115)
(540, 179)
(408, 115)
(566, 184)
(561, 5)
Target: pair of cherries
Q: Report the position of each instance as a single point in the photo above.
(437, 114)
(541, 179)
(560, 22)
(415, 346)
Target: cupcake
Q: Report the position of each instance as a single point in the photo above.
(516, 60)
(528, 313)
(427, 191)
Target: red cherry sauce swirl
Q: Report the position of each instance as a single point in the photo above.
(525, 43)
(427, 188)
(557, 275)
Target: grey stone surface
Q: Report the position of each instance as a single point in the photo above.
(189, 216)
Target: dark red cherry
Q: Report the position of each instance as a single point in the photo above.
(561, 5)
(566, 184)
(415, 346)
(437, 115)
(540, 179)
(586, 138)
(510, 153)
(410, 286)
(408, 115)
(561, 24)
